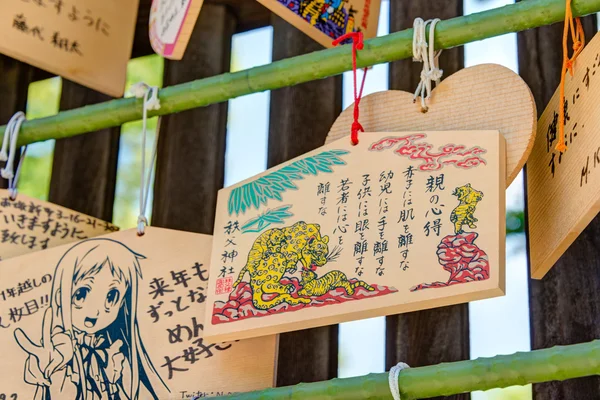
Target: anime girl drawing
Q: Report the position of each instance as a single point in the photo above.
(90, 346)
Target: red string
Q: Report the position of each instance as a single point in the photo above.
(357, 44)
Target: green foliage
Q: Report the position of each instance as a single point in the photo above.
(258, 192)
(43, 99)
(272, 216)
(515, 221)
(509, 393)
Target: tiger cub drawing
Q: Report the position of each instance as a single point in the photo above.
(463, 213)
(315, 286)
(277, 251)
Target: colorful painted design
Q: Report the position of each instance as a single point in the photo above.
(334, 18)
(462, 258)
(240, 306)
(458, 254)
(450, 154)
(270, 186)
(272, 216)
(277, 252)
(467, 202)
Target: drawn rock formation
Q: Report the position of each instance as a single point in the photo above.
(240, 305)
(462, 258)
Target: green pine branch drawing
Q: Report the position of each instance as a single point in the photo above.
(266, 219)
(271, 186)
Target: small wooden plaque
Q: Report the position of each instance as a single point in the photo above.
(171, 25)
(563, 189)
(129, 298)
(326, 20)
(28, 225)
(403, 221)
(86, 41)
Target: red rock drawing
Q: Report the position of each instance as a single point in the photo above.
(240, 307)
(462, 258)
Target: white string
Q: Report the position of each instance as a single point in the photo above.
(9, 151)
(393, 379)
(422, 52)
(151, 102)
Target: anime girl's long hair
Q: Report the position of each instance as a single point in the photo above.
(89, 257)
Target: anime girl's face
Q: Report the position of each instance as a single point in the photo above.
(96, 300)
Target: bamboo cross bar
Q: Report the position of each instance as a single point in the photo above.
(522, 15)
(557, 363)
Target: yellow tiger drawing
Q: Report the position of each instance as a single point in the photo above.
(277, 251)
(315, 286)
(463, 213)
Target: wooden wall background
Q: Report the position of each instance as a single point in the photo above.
(564, 307)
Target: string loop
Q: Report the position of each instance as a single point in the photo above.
(574, 27)
(9, 151)
(393, 379)
(425, 53)
(357, 44)
(151, 102)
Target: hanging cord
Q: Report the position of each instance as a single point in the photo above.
(9, 151)
(422, 52)
(393, 379)
(151, 102)
(578, 38)
(357, 44)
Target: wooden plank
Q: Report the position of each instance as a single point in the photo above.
(93, 56)
(442, 334)
(564, 304)
(141, 39)
(249, 14)
(308, 355)
(191, 164)
(84, 170)
(324, 224)
(16, 77)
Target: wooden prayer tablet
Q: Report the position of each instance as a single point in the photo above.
(327, 20)
(28, 225)
(171, 25)
(563, 189)
(119, 316)
(487, 96)
(400, 222)
(86, 41)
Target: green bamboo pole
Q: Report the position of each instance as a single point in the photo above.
(321, 64)
(557, 363)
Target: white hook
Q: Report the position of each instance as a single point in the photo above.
(151, 102)
(9, 150)
(431, 71)
(393, 379)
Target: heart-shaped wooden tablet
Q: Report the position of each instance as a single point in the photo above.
(483, 97)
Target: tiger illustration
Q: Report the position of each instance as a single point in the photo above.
(277, 251)
(463, 213)
(315, 286)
